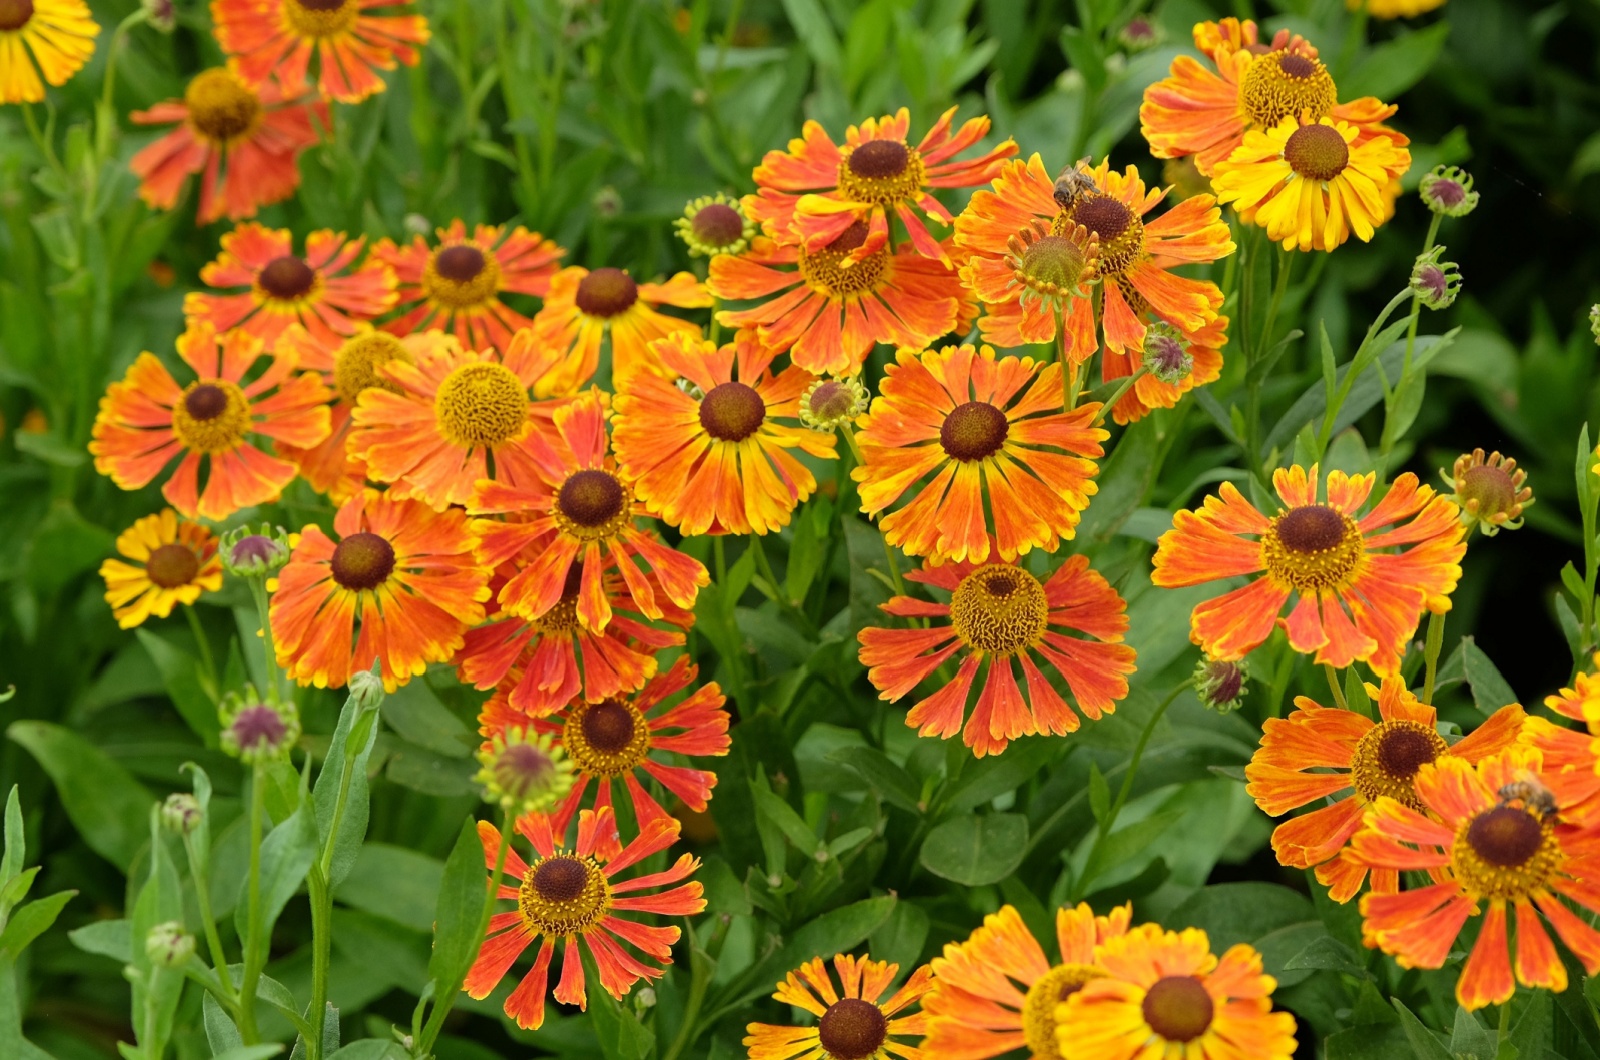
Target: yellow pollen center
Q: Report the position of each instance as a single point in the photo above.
(222, 108)
(1119, 230)
(169, 566)
(827, 271)
(852, 1029)
(355, 367)
(1388, 757)
(999, 609)
(1286, 84)
(1505, 852)
(606, 739)
(1044, 998)
(881, 171)
(1312, 548)
(563, 616)
(1316, 152)
(563, 895)
(213, 416)
(461, 276)
(321, 18)
(1178, 1008)
(481, 404)
(1051, 265)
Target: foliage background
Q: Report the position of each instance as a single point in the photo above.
(594, 122)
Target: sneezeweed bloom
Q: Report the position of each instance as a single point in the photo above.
(984, 429)
(974, 1008)
(256, 731)
(323, 290)
(854, 1022)
(1436, 282)
(277, 37)
(147, 420)
(1395, 8)
(585, 306)
(404, 571)
(1356, 600)
(1571, 765)
(1219, 684)
(456, 284)
(1165, 994)
(564, 892)
(828, 311)
(1491, 836)
(715, 224)
(173, 562)
(245, 141)
(829, 404)
(818, 189)
(1490, 490)
(1317, 753)
(999, 612)
(255, 554)
(1448, 190)
(523, 771)
(1311, 185)
(716, 457)
(52, 37)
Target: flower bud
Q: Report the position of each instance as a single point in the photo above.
(524, 771)
(1594, 323)
(1140, 33)
(715, 224)
(1220, 684)
(1448, 191)
(168, 945)
(1436, 282)
(1490, 491)
(253, 731)
(1166, 353)
(366, 688)
(607, 202)
(254, 554)
(833, 403)
(161, 14)
(181, 813)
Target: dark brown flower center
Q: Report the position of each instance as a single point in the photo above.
(1506, 836)
(1104, 216)
(606, 292)
(1296, 65)
(257, 726)
(1491, 487)
(732, 412)
(1178, 1008)
(560, 879)
(170, 566)
(206, 402)
(848, 240)
(14, 14)
(458, 263)
(1447, 192)
(591, 498)
(1316, 152)
(718, 225)
(877, 159)
(973, 431)
(852, 1029)
(362, 561)
(322, 5)
(287, 278)
(1404, 751)
(1311, 528)
(608, 726)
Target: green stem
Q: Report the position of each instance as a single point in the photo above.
(253, 943)
(202, 894)
(1357, 366)
(258, 592)
(1089, 866)
(152, 1047)
(1334, 686)
(1435, 641)
(699, 983)
(204, 644)
(1116, 395)
(321, 897)
(1505, 1021)
(1405, 362)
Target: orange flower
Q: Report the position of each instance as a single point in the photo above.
(246, 141)
(575, 514)
(716, 459)
(456, 285)
(986, 430)
(276, 37)
(1206, 111)
(147, 420)
(876, 170)
(852, 1021)
(173, 563)
(1324, 553)
(833, 311)
(1571, 757)
(320, 291)
(1204, 348)
(1489, 835)
(405, 571)
(458, 416)
(584, 306)
(1165, 994)
(349, 366)
(1365, 759)
(974, 1012)
(565, 892)
(998, 611)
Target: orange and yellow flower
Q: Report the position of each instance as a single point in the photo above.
(976, 1011)
(1316, 753)
(1395, 8)
(566, 892)
(1571, 757)
(147, 420)
(828, 311)
(1206, 111)
(577, 514)
(406, 572)
(1204, 348)
(50, 37)
(855, 1020)
(277, 38)
(985, 429)
(1164, 993)
(817, 189)
(1310, 184)
(584, 306)
(715, 458)
(456, 284)
(174, 561)
(244, 140)
(1356, 601)
(320, 291)
(997, 612)
(1491, 836)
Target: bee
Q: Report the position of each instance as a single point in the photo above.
(1536, 798)
(1073, 184)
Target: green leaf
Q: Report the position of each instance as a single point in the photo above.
(251, 1052)
(1327, 953)
(422, 770)
(1389, 69)
(352, 742)
(886, 778)
(1231, 913)
(371, 1049)
(815, 31)
(221, 1032)
(461, 897)
(835, 931)
(29, 922)
(106, 804)
(622, 1036)
(415, 712)
(1424, 1044)
(1099, 793)
(991, 777)
(105, 938)
(976, 850)
(16, 850)
(1471, 1039)
(180, 673)
(901, 938)
(794, 828)
(394, 882)
(286, 856)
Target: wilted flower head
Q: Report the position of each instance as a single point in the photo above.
(168, 945)
(523, 771)
(1436, 282)
(253, 553)
(1166, 353)
(715, 224)
(832, 403)
(1489, 490)
(253, 731)
(1219, 683)
(1448, 191)
(181, 813)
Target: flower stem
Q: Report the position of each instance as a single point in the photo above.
(700, 981)
(203, 643)
(321, 898)
(253, 946)
(1116, 395)
(1435, 641)
(1334, 687)
(202, 894)
(258, 593)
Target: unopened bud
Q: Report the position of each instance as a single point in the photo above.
(255, 553)
(833, 403)
(1436, 282)
(168, 945)
(1448, 191)
(161, 14)
(253, 731)
(1220, 684)
(1140, 33)
(366, 688)
(1166, 353)
(607, 202)
(715, 224)
(181, 813)
(523, 771)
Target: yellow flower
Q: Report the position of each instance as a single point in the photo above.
(52, 37)
(173, 563)
(1395, 8)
